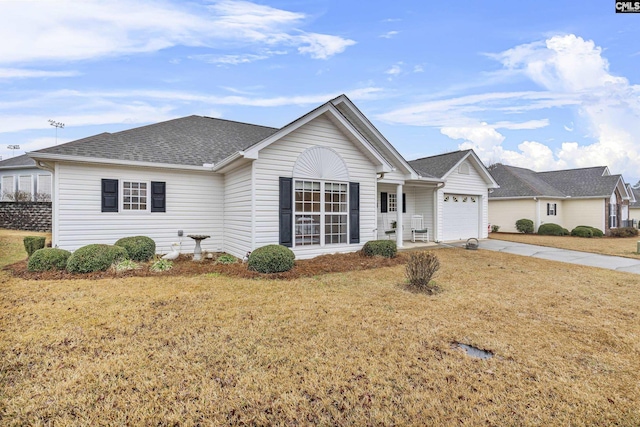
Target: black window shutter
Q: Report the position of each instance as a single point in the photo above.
(404, 203)
(383, 202)
(548, 205)
(555, 209)
(286, 211)
(354, 212)
(158, 196)
(109, 195)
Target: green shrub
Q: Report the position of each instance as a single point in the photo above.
(420, 269)
(582, 232)
(139, 248)
(32, 244)
(524, 226)
(495, 228)
(46, 259)
(566, 232)
(595, 231)
(385, 248)
(226, 259)
(161, 265)
(95, 257)
(624, 232)
(271, 259)
(551, 229)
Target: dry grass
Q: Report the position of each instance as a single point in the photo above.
(338, 349)
(11, 246)
(618, 246)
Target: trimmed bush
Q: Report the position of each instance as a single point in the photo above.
(271, 259)
(524, 226)
(624, 232)
(420, 269)
(595, 231)
(551, 229)
(385, 248)
(95, 257)
(32, 244)
(566, 232)
(139, 248)
(582, 232)
(46, 259)
(495, 228)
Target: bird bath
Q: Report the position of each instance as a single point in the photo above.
(197, 252)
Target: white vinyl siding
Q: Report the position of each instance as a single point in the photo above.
(238, 208)
(193, 200)
(471, 184)
(278, 159)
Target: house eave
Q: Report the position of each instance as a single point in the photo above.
(113, 162)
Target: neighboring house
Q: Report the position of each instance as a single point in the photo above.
(571, 197)
(634, 205)
(314, 185)
(21, 179)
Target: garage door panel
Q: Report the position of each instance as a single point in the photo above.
(461, 216)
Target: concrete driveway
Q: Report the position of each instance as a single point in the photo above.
(562, 255)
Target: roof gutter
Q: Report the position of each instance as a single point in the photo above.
(226, 162)
(38, 157)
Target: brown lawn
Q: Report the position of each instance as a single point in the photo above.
(618, 246)
(335, 349)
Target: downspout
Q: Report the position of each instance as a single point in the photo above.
(537, 215)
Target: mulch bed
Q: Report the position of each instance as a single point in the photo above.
(184, 266)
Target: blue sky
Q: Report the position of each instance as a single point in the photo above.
(543, 85)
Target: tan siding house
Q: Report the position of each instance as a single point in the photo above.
(569, 198)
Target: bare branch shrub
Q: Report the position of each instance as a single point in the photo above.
(420, 270)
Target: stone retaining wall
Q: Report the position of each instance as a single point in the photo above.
(29, 216)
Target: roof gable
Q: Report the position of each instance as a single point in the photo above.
(442, 165)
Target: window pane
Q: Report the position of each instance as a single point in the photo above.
(307, 230)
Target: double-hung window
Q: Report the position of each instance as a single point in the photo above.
(552, 209)
(133, 196)
(321, 212)
(392, 202)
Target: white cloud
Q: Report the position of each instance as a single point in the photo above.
(67, 30)
(229, 59)
(389, 34)
(142, 106)
(572, 73)
(394, 70)
(418, 69)
(22, 73)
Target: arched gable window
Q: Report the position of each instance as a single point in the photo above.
(325, 208)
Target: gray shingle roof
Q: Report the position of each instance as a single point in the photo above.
(636, 193)
(17, 162)
(583, 182)
(437, 166)
(192, 140)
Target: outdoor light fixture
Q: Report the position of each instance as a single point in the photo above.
(13, 148)
(56, 125)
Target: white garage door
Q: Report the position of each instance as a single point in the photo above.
(461, 216)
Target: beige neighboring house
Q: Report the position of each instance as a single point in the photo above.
(634, 204)
(20, 178)
(571, 197)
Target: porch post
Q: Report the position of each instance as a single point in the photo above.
(399, 214)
